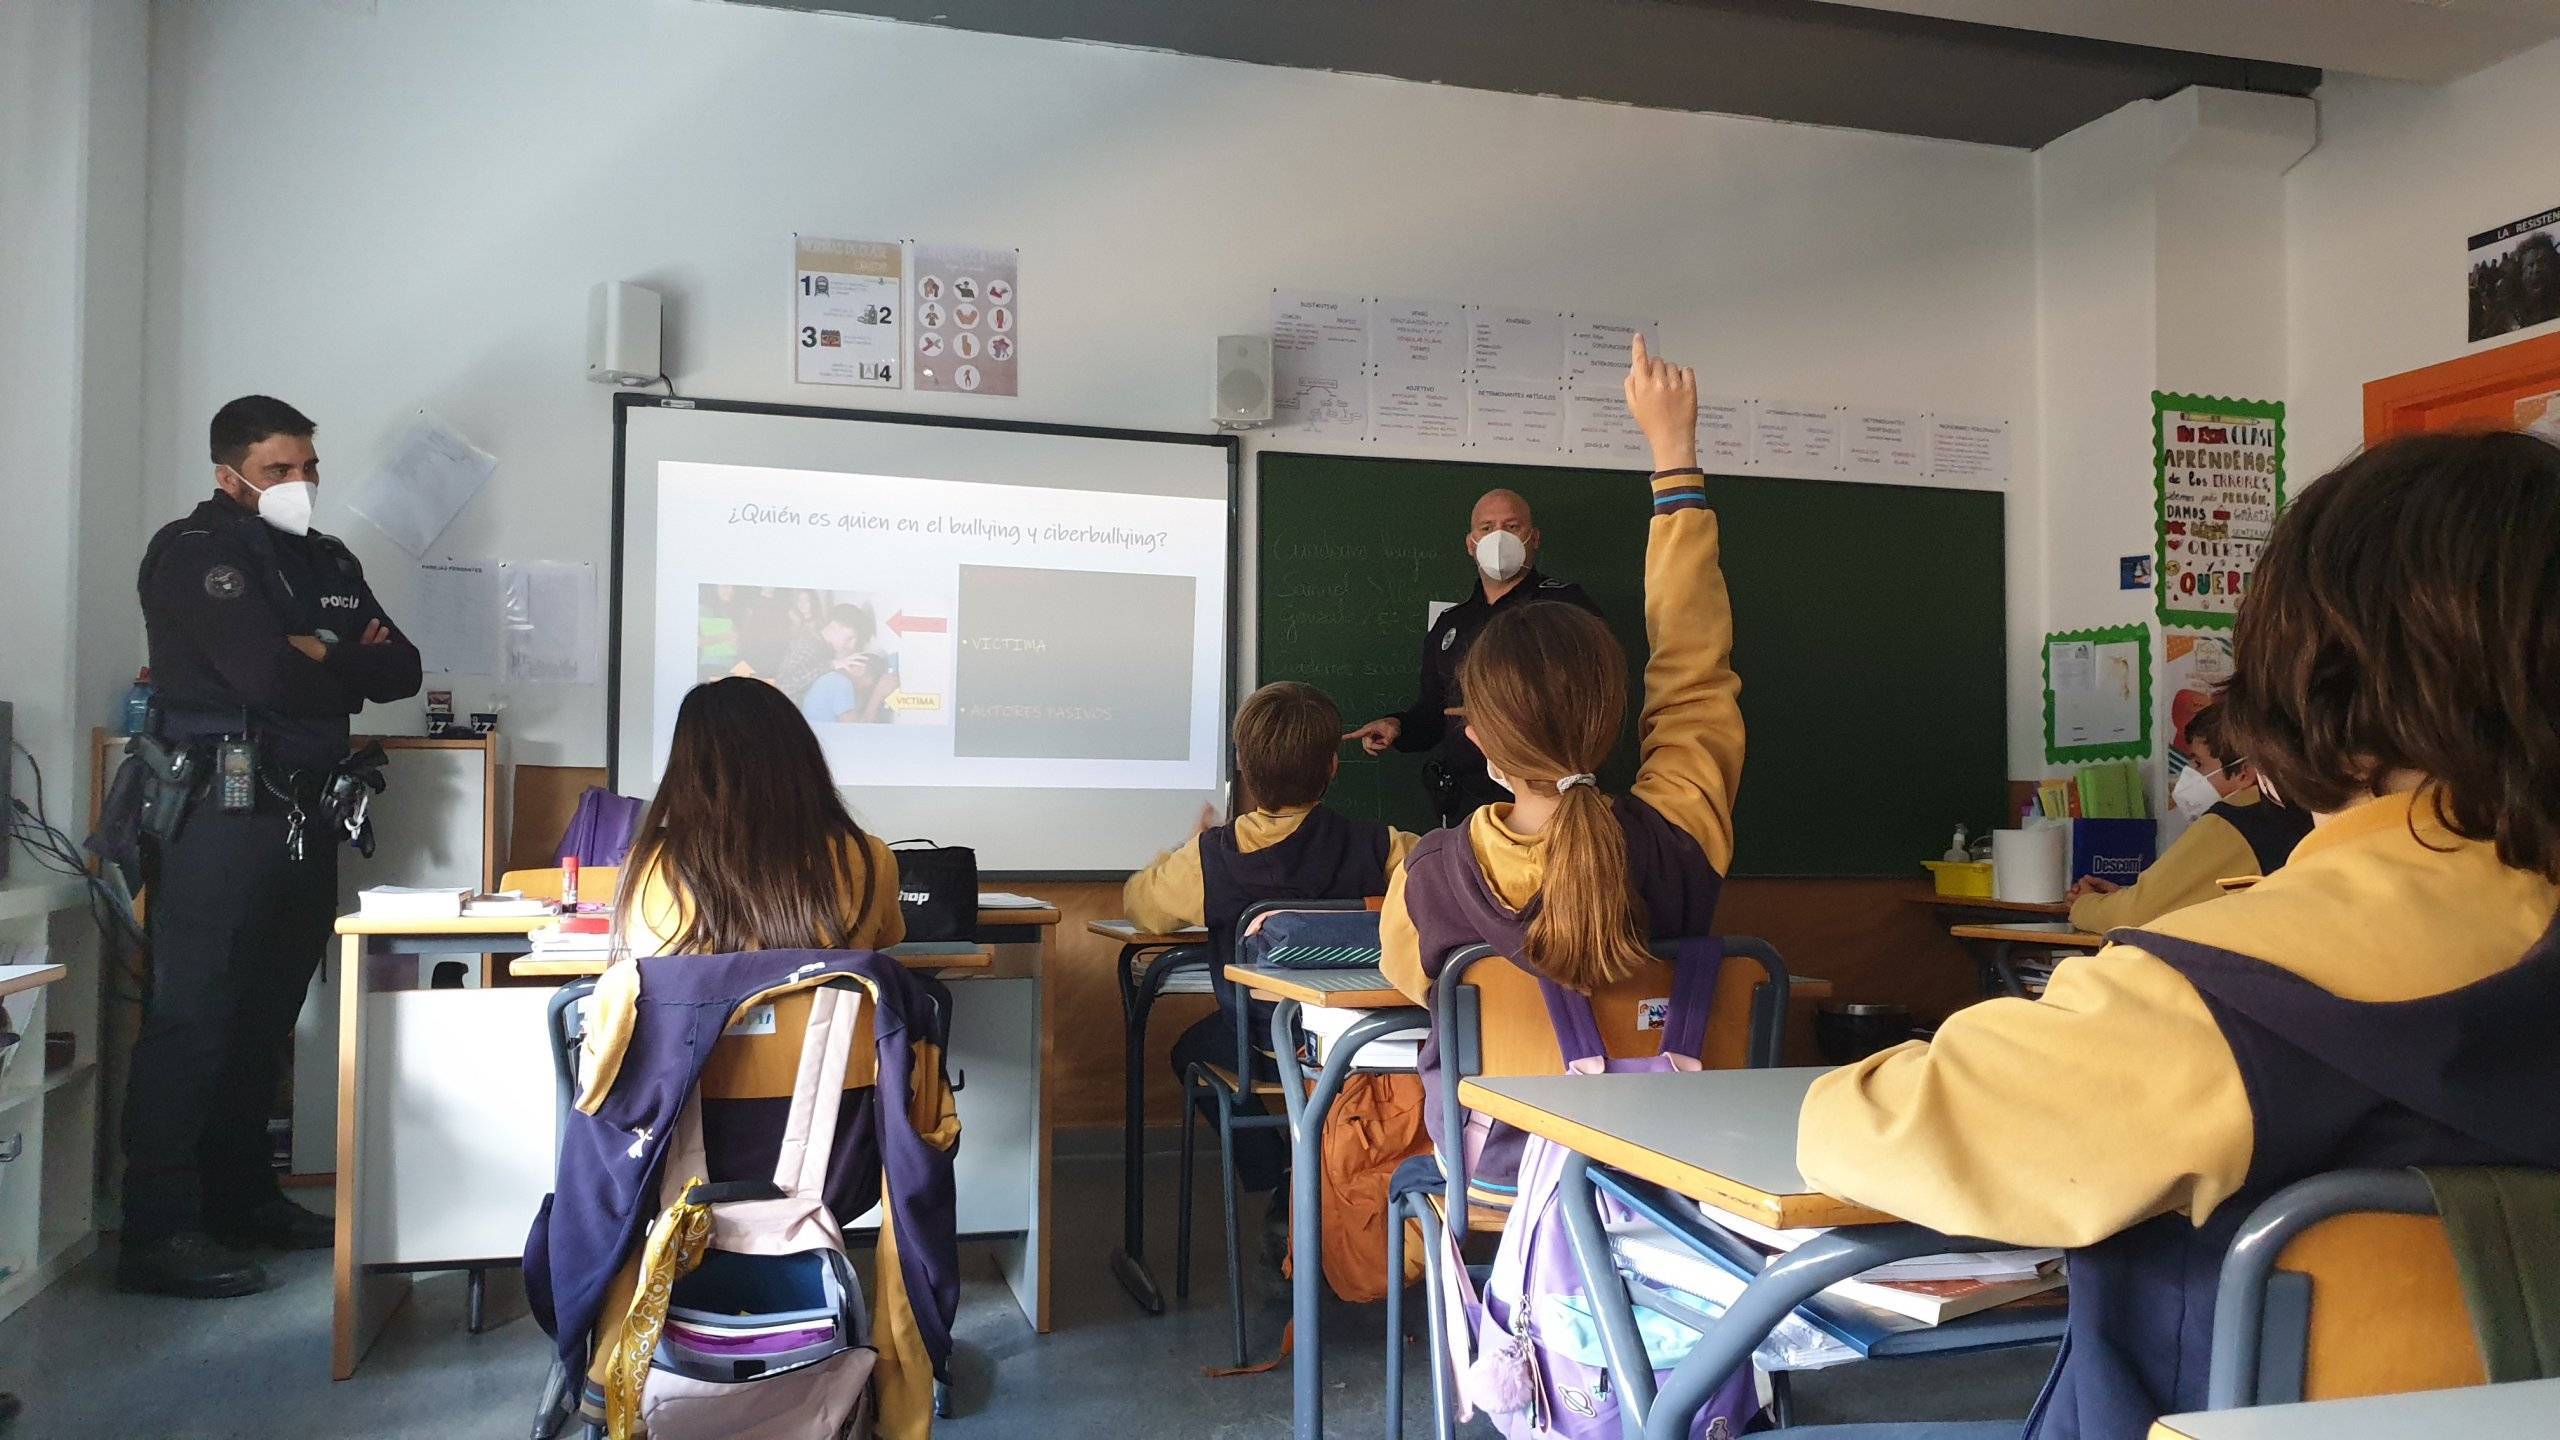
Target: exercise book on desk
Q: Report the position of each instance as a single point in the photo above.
(412, 902)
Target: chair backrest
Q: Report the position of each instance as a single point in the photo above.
(2337, 1286)
(597, 884)
(1250, 1039)
(1491, 1019)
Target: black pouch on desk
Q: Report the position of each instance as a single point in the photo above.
(938, 890)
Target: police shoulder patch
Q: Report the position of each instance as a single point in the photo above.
(225, 582)
(1448, 637)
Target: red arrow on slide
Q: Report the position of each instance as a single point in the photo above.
(903, 623)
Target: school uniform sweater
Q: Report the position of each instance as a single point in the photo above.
(2244, 834)
(2387, 998)
(1173, 894)
(655, 910)
(1480, 885)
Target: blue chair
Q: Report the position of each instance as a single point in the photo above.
(1745, 1029)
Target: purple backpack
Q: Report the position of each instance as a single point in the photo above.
(601, 829)
(1526, 1350)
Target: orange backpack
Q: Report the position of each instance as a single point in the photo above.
(1375, 1125)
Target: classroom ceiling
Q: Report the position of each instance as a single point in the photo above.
(2425, 40)
(1998, 72)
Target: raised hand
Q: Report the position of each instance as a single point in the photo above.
(1663, 398)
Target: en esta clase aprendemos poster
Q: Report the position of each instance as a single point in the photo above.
(2218, 472)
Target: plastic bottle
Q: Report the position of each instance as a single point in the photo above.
(135, 714)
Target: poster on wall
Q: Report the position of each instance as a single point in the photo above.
(2515, 275)
(2097, 695)
(2218, 473)
(1320, 364)
(967, 308)
(847, 302)
(2196, 664)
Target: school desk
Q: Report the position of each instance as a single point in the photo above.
(1385, 1012)
(443, 1163)
(2489, 1412)
(1658, 1140)
(1147, 969)
(1993, 945)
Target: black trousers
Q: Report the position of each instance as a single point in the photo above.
(1462, 786)
(237, 928)
(1262, 1156)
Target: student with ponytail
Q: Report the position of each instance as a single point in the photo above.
(1567, 881)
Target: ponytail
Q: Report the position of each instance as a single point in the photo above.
(1545, 686)
(1586, 933)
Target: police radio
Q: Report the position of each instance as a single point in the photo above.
(235, 777)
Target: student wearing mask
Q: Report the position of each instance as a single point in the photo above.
(2386, 999)
(1566, 881)
(2233, 830)
(1502, 539)
(1286, 846)
(747, 845)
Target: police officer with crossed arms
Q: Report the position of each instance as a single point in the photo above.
(264, 640)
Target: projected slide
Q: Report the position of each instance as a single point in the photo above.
(950, 633)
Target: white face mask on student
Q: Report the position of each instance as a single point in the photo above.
(286, 504)
(1501, 555)
(2194, 793)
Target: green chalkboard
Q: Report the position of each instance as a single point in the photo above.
(1868, 621)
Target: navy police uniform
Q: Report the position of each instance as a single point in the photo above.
(1463, 786)
(238, 919)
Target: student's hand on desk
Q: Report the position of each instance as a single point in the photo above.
(1663, 397)
(1378, 736)
(310, 646)
(2090, 885)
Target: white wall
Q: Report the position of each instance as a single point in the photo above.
(2160, 265)
(2378, 216)
(364, 213)
(71, 136)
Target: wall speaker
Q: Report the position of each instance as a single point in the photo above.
(1244, 381)
(622, 334)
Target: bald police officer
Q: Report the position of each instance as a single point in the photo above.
(1502, 538)
(264, 640)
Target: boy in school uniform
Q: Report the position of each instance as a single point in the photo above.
(2388, 998)
(1289, 846)
(2236, 830)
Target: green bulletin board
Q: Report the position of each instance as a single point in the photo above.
(2088, 690)
(1869, 620)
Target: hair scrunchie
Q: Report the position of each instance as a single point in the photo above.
(1569, 781)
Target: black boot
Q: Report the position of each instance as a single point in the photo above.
(190, 1265)
(279, 1224)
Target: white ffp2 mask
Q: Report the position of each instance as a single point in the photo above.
(286, 504)
(1501, 555)
(2193, 794)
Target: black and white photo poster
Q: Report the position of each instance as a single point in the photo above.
(2515, 275)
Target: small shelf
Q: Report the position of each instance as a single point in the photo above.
(28, 896)
(16, 1094)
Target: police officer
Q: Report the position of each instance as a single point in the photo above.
(264, 639)
(1503, 540)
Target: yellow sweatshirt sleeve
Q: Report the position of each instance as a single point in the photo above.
(1399, 944)
(2211, 849)
(1170, 894)
(1399, 849)
(2050, 1123)
(886, 924)
(1690, 736)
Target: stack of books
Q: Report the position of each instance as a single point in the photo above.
(412, 902)
(574, 935)
(1932, 1289)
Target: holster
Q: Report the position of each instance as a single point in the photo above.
(150, 795)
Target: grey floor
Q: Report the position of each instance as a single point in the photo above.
(94, 1363)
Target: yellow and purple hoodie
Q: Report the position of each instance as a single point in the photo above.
(2388, 998)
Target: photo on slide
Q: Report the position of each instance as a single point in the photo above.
(845, 657)
(1037, 676)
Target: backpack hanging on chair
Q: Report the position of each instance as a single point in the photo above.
(1523, 1351)
(747, 1322)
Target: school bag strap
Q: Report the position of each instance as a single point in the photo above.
(1695, 965)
